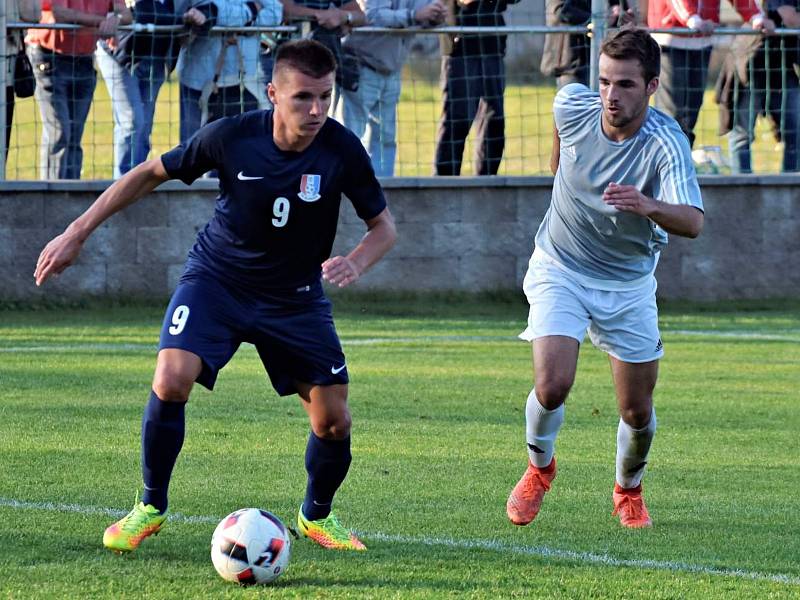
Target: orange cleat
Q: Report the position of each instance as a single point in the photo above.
(629, 505)
(526, 497)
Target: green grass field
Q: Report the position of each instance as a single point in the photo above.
(529, 132)
(437, 396)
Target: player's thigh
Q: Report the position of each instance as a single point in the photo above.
(300, 345)
(327, 409)
(625, 324)
(203, 318)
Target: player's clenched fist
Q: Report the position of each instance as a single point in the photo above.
(627, 198)
(57, 255)
(340, 271)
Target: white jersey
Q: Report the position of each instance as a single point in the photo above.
(605, 247)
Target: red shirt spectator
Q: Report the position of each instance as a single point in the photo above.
(95, 15)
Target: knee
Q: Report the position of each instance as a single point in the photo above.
(332, 427)
(637, 417)
(552, 391)
(172, 385)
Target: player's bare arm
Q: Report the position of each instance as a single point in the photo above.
(555, 152)
(678, 219)
(379, 239)
(63, 250)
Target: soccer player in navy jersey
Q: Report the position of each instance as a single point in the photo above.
(254, 275)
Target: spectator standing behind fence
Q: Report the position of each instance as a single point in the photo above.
(685, 59)
(331, 20)
(134, 66)
(18, 10)
(566, 56)
(473, 81)
(763, 78)
(220, 75)
(371, 111)
(65, 77)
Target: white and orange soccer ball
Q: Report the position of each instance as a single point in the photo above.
(250, 546)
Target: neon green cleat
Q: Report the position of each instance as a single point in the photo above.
(126, 534)
(329, 533)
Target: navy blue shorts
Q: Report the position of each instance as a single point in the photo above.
(293, 332)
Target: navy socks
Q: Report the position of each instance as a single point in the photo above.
(327, 463)
(163, 428)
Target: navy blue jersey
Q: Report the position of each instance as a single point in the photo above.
(276, 215)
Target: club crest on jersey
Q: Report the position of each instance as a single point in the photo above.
(309, 188)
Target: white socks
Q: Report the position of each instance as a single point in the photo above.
(633, 445)
(542, 427)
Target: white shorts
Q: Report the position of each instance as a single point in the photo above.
(622, 323)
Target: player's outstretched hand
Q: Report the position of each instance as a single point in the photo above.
(340, 271)
(57, 255)
(628, 199)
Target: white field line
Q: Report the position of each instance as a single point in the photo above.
(455, 544)
(429, 339)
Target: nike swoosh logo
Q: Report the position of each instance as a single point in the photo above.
(242, 177)
(336, 371)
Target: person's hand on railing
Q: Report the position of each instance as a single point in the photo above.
(194, 18)
(764, 25)
(700, 24)
(789, 16)
(431, 14)
(331, 18)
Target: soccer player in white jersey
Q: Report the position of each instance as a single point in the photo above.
(624, 179)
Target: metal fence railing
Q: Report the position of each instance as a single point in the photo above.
(744, 82)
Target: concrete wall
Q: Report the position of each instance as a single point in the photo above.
(455, 234)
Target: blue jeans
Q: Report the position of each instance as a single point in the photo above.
(783, 108)
(64, 91)
(133, 95)
(371, 113)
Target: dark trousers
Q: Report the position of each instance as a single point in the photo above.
(682, 84)
(473, 88)
(64, 91)
(228, 101)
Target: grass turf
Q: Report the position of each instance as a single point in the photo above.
(437, 397)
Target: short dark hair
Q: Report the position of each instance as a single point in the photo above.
(630, 43)
(307, 56)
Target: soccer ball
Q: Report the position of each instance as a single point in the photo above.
(250, 546)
